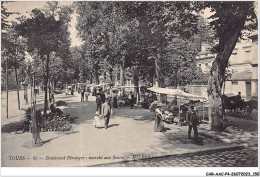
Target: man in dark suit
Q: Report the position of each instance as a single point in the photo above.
(193, 123)
(106, 111)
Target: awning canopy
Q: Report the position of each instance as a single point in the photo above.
(168, 91)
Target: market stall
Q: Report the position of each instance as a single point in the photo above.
(176, 110)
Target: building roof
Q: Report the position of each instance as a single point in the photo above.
(242, 76)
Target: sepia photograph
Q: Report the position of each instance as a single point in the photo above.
(129, 84)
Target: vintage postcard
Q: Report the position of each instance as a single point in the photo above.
(130, 84)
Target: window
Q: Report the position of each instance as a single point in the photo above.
(234, 83)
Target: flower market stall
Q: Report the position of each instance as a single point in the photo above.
(176, 110)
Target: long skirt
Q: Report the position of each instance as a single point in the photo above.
(158, 125)
(97, 121)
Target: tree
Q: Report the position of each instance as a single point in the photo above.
(44, 35)
(228, 22)
(162, 22)
(16, 50)
(5, 24)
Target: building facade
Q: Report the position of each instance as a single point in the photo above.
(243, 67)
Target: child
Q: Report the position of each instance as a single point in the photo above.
(97, 120)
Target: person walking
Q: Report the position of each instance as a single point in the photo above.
(193, 122)
(82, 95)
(106, 111)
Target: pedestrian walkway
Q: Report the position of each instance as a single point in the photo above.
(129, 137)
(232, 157)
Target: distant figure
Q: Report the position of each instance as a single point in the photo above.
(94, 91)
(98, 101)
(55, 111)
(193, 122)
(97, 120)
(185, 110)
(115, 105)
(82, 94)
(103, 97)
(238, 97)
(51, 98)
(131, 96)
(86, 95)
(106, 111)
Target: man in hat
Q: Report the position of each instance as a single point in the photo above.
(193, 123)
(106, 111)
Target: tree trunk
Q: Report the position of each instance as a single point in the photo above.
(96, 78)
(25, 94)
(216, 80)
(116, 75)
(91, 78)
(111, 75)
(160, 78)
(121, 75)
(46, 85)
(176, 77)
(96, 74)
(136, 81)
(17, 84)
(35, 129)
(7, 89)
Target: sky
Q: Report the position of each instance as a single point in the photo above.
(25, 7)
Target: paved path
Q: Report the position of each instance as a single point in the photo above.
(130, 134)
(233, 157)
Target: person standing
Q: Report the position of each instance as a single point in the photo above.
(103, 96)
(193, 122)
(98, 101)
(86, 95)
(132, 97)
(82, 95)
(106, 111)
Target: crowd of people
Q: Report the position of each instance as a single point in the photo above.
(105, 103)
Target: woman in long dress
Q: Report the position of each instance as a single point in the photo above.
(158, 125)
